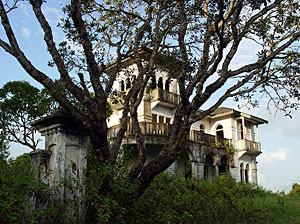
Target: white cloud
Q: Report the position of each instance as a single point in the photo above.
(26, 10)
(247, 53)
(25, 32)
(280, 154)
(52, 14)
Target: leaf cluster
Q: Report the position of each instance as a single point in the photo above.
(21, 104)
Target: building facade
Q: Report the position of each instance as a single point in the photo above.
(226, 141)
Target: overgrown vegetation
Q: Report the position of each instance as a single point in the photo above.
(197, 43)
(172, 199)
(169, 199)
(18, 185)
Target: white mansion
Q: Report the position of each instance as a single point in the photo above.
(226, 141)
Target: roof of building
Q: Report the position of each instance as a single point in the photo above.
(161, 60)
(223, 111)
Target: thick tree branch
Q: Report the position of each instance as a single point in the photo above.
(92, 66)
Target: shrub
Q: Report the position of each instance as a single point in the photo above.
(18, 185)
(172, 199)
(295, 190)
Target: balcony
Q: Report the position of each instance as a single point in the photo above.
(166, 98)
(249, 146)
(161, 130)
(207, 139)
(147, 128)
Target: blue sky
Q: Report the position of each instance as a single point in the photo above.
(278, 165)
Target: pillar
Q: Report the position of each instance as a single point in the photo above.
(67, 145)
(244, 128)
(253, 170)
(257, 134)
(197, 170)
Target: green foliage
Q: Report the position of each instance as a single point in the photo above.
(173, 199)
(18, 185)
(169, 199)
(20, 104)
(229, 148)
(109, 192)
(3, 146)
(14, 187)
(176, 200)
(295, 190)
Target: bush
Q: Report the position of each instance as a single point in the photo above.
(112, 206)
(18, 185)
(295, 190)
(172, 199)
(169, 199)
(15, 179)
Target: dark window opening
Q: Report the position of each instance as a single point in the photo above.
(247, 174)
(220, 133)
(167, 85)
(160, 83)
(153, 82)
(128, 83)
(122, 85)
(202, 128)
(209, 171)
(223, 167)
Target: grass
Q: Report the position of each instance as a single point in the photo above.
(288, 211)
(275, 208)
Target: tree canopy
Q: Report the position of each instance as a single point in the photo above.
(200, 40)
(21, 104)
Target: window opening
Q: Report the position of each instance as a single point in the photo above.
(247, 174)
(128, 83)
(153, 82)
(122, 85)
(167, 85)
(220, 133)
(160, 83)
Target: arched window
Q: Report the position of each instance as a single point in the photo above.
(122, 87)
(160, 83)
(202, 128)
(247, 174)
(209, 171)
(242, 172)
(223, 167)
(167, 85)
(153, 82)
(128, 83)
(220, 133)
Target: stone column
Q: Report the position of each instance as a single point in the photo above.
(67, 144)
(197, 170)
(257, 134)
(216, 170)
(253, 173)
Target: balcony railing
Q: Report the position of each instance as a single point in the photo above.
(247, 145)
(159, 94)
(147, 128)
(161, 129)
(207, 139)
